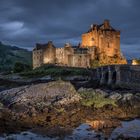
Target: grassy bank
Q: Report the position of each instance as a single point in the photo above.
(56, 71)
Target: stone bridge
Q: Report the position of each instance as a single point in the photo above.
(123, 76)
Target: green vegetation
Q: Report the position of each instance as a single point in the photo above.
(9, 55)
(55, 71)
(95, 63)
(95, 99)
(20, 67)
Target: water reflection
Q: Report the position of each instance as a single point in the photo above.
(127, 129)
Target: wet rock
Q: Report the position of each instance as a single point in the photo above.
(102, 92)
(137, 96)
(1, 105)
(127, 97)
(86, 90)
(115, 96)
(46, 78)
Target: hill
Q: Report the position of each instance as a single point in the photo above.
(9, 55)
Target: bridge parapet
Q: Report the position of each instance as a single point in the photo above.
(124, 76)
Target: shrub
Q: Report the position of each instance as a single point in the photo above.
(20, 67)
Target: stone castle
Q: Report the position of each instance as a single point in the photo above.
(100, 45)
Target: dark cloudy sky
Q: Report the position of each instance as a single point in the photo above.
(25, 22)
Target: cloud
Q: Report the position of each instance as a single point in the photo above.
(25, 22)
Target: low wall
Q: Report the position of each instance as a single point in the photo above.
(123, 76)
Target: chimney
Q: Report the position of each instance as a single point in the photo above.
(106, 24)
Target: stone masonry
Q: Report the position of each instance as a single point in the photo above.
(101, 44)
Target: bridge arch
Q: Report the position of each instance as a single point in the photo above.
(114, 77)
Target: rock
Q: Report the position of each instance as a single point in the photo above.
(46, 78)
(85, 89)
(137, 96)
(77, 78)
(1, 105)
(102, 92)
(115, 96)
(127, 96)
(40, 95)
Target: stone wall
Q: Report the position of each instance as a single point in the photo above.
(106, 41)
(101, 43)
(79, 60)
(60, 56)
(37, 58)
(122, 76)
(49, 54)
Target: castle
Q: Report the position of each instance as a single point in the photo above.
(101, 44)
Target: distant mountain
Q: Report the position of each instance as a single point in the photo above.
(9, 55)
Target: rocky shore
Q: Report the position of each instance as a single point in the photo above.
(47, 107)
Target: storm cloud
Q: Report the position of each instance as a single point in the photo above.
(25, 22)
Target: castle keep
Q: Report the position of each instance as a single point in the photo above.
(101, 44)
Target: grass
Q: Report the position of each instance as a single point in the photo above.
(55, 71)
(95, 99)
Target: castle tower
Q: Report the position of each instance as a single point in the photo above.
(49, 53)
(44, 54)
(105, 40)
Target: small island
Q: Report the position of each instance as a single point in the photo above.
(80, 92)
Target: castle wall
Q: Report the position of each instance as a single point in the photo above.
(93, 52)
(101, 43)
(67, 52)
(106, 41)
(90, 39)
(110, 44)
(49, 55)
(37, 58)
(79, 60)
(60, 55)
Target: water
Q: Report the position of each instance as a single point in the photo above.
(85, 132)
(128, 129)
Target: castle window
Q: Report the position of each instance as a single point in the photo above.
(108, 45)
(92, 39)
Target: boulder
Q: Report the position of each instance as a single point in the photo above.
(137, 96)
(85, 89)
(115, 96)
(40, 95)
(127, 96)
(102, 92)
